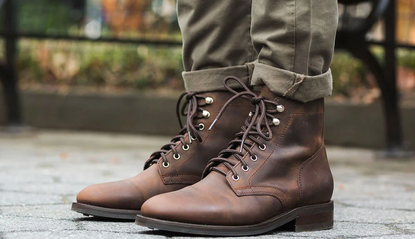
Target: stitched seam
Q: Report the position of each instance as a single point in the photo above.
(299, 181)
(275, 147)
(265, 193)
(250, 43)
(294, 35)
(279, 190)
(177, 175)
(291, 91)
(181, 182)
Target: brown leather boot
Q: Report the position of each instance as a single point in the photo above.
(178, 164)
(274, 173)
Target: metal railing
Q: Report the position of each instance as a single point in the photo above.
(11, 35)
(351, 36)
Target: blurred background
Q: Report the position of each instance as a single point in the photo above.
(88, 91)
(114, 65)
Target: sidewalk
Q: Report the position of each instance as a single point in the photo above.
(41, 173)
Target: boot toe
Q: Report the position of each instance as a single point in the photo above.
(166, 207)
(91, 195)
(158, 207)
(219, 207)
(120, 195)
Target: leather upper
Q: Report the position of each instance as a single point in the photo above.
(156, 179)
(290, 172)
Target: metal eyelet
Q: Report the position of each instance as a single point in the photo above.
(280, 108)
(201, 126)
(209, 100)
(263, 147)
(176, 156)
(235, 177)
(206, 114)
(245, 168)
(193, 138)
(254, 158)
(186, 147)
(276, 121)
(166, 165)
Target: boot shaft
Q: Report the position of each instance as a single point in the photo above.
(292, 165)
(273, 172)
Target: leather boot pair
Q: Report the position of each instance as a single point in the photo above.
(274, 173)
(177, 164)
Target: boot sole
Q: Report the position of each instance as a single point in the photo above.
(307, 218)
(103, 212)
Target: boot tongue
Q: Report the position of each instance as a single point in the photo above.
(269, 95)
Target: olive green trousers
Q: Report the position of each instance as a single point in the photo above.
(285, 44)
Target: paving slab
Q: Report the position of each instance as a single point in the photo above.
(41, 172)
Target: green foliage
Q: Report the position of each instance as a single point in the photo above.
(128, 66)
(348, 73)
(99, 65)
(407, 59)
(44, 16)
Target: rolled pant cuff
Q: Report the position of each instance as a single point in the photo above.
(212, 79)
(292, 85)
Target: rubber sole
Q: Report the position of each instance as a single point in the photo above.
(102, 212)
(308, 218)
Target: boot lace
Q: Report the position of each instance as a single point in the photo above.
(191, 110)
(257, 125)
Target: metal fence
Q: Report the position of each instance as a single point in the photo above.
(75, 20)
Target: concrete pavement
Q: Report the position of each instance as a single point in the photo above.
(41, 173)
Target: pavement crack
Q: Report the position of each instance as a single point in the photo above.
(79, 225)
(392, 226)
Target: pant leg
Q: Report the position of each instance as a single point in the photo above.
(295, 42)
(216, 41)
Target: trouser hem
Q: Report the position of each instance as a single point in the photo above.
(292, 85)
(212, 79)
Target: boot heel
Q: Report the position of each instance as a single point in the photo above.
(314, 222)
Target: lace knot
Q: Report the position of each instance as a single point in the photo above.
(257, 99)
(190, 95)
